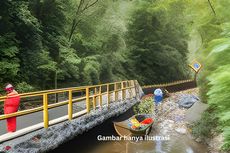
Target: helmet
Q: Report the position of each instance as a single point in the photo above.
(158, 92)
(9, 87)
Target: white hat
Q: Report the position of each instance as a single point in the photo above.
(9, 86)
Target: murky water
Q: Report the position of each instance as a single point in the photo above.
(88, 142)
(176, 144)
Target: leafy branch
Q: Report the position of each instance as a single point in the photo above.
(81, 9)
(210, 4)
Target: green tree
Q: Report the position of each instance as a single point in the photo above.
(214, 27)
(157, 43)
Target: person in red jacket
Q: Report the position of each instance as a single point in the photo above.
(11, 105)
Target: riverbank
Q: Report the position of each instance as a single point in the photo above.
(173, 121)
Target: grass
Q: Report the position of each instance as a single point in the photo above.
(146, 106)
(205, 127)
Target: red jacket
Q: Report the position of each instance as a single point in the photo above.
(11, 102)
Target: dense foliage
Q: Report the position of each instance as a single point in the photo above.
(157, 42)
(214, 53)
(205, 127)
(56, 43)
(146, 106)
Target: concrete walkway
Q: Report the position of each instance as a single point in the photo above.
(54, 113)
(37, 117)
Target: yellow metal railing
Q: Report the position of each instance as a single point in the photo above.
(90, 99)
(166, 84)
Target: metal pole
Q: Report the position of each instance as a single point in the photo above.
(45, 111)
(130, 89)
(87, 100)
(100, 97)
(94, 98)
(70, 106)
(108, 95)
(122, 90)
(115, 92)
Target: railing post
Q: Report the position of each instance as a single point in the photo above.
(115, 92)
(96, 92)
(100, 97)
(133, 88)
(130, 89)
(94, 98)
(125, 89)
(45, 111)
(87, 99)
(108, 95)
(122, 90)
(70, 106)
(136, 88)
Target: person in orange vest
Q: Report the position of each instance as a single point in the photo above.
(11, 105)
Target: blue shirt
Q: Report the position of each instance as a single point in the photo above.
(158, 99)
(158, 95)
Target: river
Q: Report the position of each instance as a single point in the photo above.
(88, 142)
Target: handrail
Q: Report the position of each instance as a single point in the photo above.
(167, 84)
(95, 96)
(40, 93)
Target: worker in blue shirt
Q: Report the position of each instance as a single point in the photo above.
(158, 97)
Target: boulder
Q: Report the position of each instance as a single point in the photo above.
(187, 100)
(181, 130)
(195, 112)
(198, 140)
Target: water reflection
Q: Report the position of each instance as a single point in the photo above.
(159, 146)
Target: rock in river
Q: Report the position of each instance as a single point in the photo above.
(181, 130)
(187, 100)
